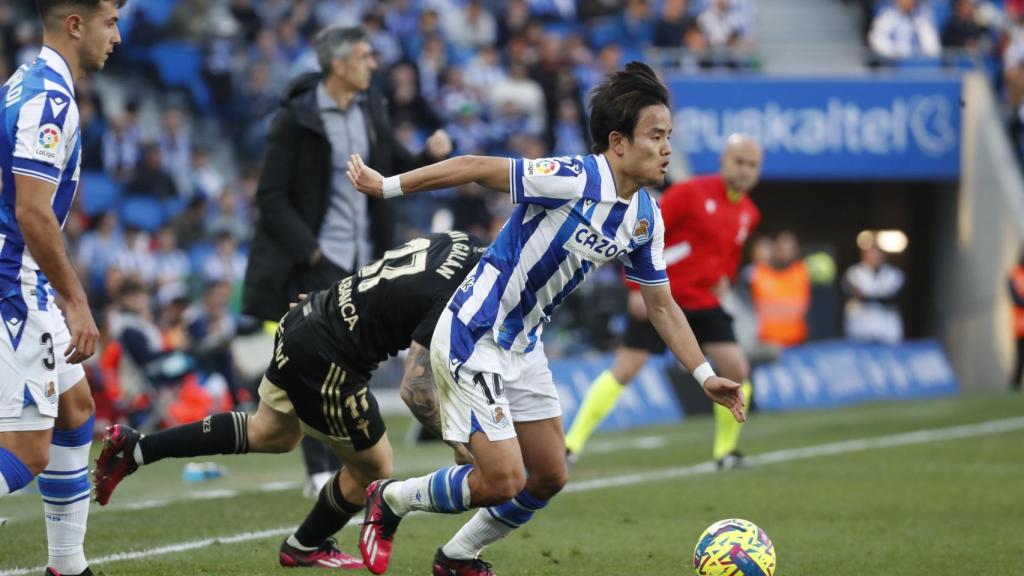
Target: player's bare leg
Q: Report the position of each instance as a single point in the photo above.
(64, 485)
(543, 449)
(603, 394)
(32, 448)
(731, 362)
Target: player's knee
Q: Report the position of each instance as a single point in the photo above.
(366, 473)
(277, 442)
(504, 487)
(36, 461)
(76, 407)
(545, 485)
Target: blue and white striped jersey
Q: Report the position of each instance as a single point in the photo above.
(40, 139)
(568, 220)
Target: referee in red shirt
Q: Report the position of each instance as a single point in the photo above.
(707, 221)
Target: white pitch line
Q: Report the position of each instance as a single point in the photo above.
(597, 447)
(845, 447)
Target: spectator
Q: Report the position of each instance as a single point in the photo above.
(384, 43)
(189, 226)
(210, 331)
(134, 259)
(520, 96)
(723, 27)
(91, 131)
(903, 31)
(671, 26)
(471, 27)
(781, 292)
(231, 217)
(484, 71)
(151, 178)
(204, 178)
(226, 263)
(963, 31)
(873, 288)
(97, 249)
(145, 366)
(176, 148)
(406, 104)
(431, 62)
(636, 24)
(121, 145)
(569, 138)
(171, 265)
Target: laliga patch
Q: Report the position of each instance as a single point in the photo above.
(542, 167)
(47, 143)
(592, 246)
(641, 231)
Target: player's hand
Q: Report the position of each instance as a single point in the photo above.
(302, 296)
(365, 179)
(721, 288)
(728, 394)
(462, 454)
(84, 333)
(439, 145)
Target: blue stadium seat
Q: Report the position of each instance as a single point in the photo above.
(158, 12)
(173, 207)
(142, 212)
(197, 254)
(180, 64)
(603, 32)
(100, 193)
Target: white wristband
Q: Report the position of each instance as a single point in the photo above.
(392, 187)
(703, 372)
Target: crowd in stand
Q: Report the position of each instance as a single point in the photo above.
(987, 35)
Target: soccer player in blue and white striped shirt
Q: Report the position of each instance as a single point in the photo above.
(46, 410)
(496, 392)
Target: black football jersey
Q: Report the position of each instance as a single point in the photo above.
(371, 315)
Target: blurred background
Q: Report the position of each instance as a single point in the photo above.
(891, 129)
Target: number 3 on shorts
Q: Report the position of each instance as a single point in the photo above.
(480, 380)
(49, 361)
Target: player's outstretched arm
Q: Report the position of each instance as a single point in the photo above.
(43, 238)
(671, 324)
(488, 171)
(420, 394)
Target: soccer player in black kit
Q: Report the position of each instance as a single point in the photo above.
(325, 349)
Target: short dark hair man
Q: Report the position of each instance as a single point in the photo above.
(46, 410)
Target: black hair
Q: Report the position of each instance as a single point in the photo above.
(47, 7)
(615, 103)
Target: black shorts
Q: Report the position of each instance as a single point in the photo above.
(326, 395)
(710, 326)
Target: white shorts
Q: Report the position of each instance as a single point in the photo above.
(37, 366)
(492, 388)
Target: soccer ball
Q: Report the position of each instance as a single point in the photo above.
(734, 547)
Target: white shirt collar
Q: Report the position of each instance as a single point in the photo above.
(58, 64)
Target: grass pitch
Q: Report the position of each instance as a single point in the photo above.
(946, 504)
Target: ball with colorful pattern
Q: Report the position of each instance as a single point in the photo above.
(734, 547)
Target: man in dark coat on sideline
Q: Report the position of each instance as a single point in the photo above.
(314, 227)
